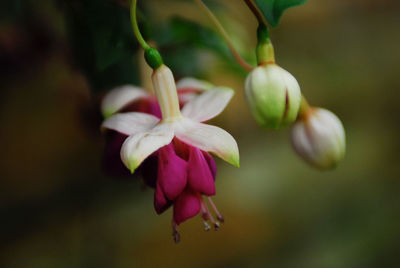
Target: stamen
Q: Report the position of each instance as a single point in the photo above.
(219, 216)
(206, 215)
(175, 233)
(204, 211)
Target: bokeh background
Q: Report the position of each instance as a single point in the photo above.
(59, 209)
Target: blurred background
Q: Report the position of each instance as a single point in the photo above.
(59, 209)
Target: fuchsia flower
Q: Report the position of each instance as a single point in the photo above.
(179, 141)
(129, 98)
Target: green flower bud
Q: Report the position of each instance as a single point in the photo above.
(273, 95)
(319, 138)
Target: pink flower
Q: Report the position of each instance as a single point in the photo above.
(180, 142)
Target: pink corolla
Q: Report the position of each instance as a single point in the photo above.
(180, 143)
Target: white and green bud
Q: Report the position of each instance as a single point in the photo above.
(319, 138)
(273, 95)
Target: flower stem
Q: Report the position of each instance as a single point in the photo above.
(304, 108)
(152, 56)
(257, 13)
(135, 27)
(224, 35)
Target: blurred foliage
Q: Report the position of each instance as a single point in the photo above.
(106, 49)
(273, 9)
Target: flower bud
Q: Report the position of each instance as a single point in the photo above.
(319, 138)
(273, 95)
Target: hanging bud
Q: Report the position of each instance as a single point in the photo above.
(319, 138)
(273, 95)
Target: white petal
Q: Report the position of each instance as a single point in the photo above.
(130, 123)
(119, 97)
(208, 104)
(194, 84)
(139, 146)
(208, 138)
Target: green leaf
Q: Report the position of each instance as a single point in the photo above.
(273, 9)
(102, 42)
(183, 43)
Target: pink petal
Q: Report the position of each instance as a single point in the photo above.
(161, 203)
(151, 106)
(172, 172)
(112, 164)
(149, 170)
(181, 149)
(200, 177)
(211, 164)
(186, 206)
(148, 105)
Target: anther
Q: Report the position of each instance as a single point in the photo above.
(216, 226)
(206, 226)
(175, 233)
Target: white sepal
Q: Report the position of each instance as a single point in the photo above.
(194, 84)
(119, 97)
(130, 123)
(208, 138)
(138, 147)
(208, 104)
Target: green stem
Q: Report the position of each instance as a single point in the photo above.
(224, 35)
(257, 13)
(135, 27)
(304, 108)
(265, 49)
(152, 56)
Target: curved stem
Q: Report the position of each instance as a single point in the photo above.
(224, 35)
(135, 27)
(257, 13)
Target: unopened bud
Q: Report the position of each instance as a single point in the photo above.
(273, 95)
(319, 138)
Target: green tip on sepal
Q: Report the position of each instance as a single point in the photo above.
(233, 159)
(108, 113)
(132, 165)
(153, 58)
(236, 163)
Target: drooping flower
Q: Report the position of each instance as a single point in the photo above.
(319, 138)
(185, 171)
(130, 98)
